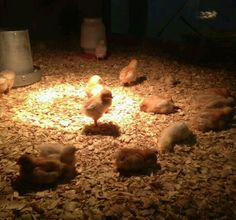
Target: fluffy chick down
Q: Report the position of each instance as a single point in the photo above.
(175, 133)
(7, 79)
(64, 153)
(130, 161)
(128, 74)
(158, 105)
(96, 106)
(39, 171)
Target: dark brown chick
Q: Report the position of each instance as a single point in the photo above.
(41, 171)
(215, 119)
(96, 106)
(133, 160)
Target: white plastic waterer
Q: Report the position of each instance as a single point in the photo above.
(92, 31)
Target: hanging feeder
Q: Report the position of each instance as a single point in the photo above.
(15, 55)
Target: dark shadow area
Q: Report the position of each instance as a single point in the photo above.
(138, 81)
(23, 187)
(147, 172)
(106, 129)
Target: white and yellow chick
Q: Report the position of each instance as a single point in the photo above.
(128, 74)
(97, 105)
(94, 86)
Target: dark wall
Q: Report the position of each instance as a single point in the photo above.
(43, 18)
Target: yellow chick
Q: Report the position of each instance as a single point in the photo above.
(97, 105)
(128, 74)
(10, 77)
(94, 86)
(101, 50)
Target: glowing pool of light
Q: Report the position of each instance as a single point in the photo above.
(60, 107)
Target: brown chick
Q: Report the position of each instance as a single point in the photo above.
(10, 77)
(39, 170)
(212, 100)
(3, 85)
(94, 86)
(214, 119)
(158, 105)
(97, 105)
(128, 74)
(64, 153)
(219, 91)
(101, 50)
(134, 160)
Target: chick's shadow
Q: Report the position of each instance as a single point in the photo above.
(138, 81)
(105, 129)
(146, 172)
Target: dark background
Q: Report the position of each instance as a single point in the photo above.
(52, 19)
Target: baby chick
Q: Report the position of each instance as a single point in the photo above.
(3, 85)
(128, 74)
(97, 105)
(214, 119)
(64, 153)
(94, 86)
(101, 50)
(213, 100)
(219, 91)
(134, 160)
(10, 77)
(172, 135)
(170, 80)
(40, 171)
(158, 105)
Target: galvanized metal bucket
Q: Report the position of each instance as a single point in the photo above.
(15, 54)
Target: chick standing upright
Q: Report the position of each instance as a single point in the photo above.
(101, 50)
(94, 86)
(97, 105)
(128, 74)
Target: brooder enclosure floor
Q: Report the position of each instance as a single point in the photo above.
(194, 182)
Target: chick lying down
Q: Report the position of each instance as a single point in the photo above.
(133, 161)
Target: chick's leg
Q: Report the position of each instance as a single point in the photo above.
(96, 123)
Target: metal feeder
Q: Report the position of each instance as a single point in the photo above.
(15, 55)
